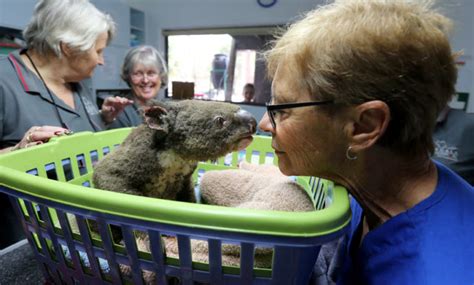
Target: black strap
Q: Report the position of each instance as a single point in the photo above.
(63, 124)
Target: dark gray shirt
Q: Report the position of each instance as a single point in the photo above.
(454, 142)
(130, 117)
(25, 102)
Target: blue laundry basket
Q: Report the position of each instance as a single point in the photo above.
(51, 183)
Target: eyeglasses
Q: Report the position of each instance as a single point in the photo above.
(272, 109)
(139, 75)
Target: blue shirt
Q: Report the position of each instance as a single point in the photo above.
(431, 243)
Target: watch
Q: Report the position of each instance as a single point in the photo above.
(266, 3)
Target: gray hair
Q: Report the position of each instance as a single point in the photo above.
(76, 23)
(148, 56)
(362, 50)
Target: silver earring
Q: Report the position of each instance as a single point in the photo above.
(349, 155)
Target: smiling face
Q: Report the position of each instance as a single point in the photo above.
(145, 82)
(306, 140)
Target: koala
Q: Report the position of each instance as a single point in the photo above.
(158, 158)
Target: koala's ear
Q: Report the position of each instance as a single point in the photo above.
(154, 118)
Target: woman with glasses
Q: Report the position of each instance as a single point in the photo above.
(144, 70)
(357, 87)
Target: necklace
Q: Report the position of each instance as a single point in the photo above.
(63, 124)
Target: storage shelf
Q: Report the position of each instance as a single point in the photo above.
(137, 27)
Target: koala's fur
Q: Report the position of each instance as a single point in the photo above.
(159, 157)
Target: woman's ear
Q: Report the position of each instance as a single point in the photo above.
(368, 123)
(65, 49)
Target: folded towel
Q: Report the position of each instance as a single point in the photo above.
(254, 187)
(261, 187)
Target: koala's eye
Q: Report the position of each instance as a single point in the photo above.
(220, 121)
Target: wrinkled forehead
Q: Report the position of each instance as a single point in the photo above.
(101, 41)
(287, 85)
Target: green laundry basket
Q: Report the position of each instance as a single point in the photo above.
(50, 183)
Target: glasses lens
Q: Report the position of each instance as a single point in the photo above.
(271, 115)
(140, 75)
(152, 75)
(137, 76)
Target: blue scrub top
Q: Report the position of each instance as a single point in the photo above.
(431, 243)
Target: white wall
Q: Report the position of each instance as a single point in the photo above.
(16, 14)
(186, 14)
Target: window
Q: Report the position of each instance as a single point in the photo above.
(221, 64)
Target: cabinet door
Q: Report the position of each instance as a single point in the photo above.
(120, 13)
(16, 14)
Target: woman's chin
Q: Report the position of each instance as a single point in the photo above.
(284, 167)
(147, 96)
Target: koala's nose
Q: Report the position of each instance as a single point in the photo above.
(247, 118)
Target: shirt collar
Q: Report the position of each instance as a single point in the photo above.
(27, 78)
(31, 83)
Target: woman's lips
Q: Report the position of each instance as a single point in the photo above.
(146, 89)
(279, 152)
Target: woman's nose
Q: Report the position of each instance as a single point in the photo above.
(265, 124)
(101, 60)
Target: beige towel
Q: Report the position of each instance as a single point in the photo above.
(254, 187)
(261, 187)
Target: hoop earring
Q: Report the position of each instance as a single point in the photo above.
(349, 155)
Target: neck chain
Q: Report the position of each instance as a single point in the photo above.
(63, 124)
(47, 89)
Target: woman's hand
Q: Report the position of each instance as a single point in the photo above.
(37, 135)
(112, 107)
